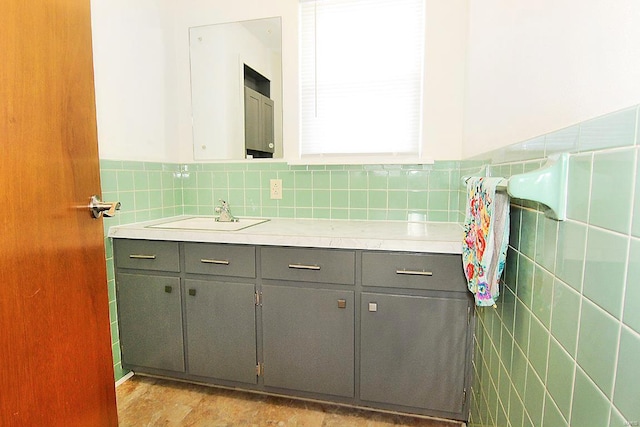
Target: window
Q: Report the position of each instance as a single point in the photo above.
(361, 68)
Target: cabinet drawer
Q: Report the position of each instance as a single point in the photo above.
(146, 255)
(413, 271)
(220, 259)
(309, 265)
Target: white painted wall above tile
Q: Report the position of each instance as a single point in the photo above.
(535, 67)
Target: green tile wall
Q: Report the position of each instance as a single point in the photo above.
(563, 346)
(146, 191)
(373, 192)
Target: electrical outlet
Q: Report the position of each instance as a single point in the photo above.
(276, 188)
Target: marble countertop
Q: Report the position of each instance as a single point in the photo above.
(434, 237)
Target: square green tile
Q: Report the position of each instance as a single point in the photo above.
(358, 180)
(597, 345)
(321, 199)
(565, 316)
(141, 200)
(579, 184)
(303, 180)
(542, 296)
(438, 200)
(337, 213)
(321, 213)
(519, 371)
(515, 219)
(572, 237)
(635, 228)
(521, 326)
(590, 407)
(339, 199)
(254, 179)
(612, 190)
(339, 180)
(625, 395)
(546, 242)
(538, 346)
(303, 198)
(534, 399)
(108, 180)
(236, 180)
(560, 377)
(552, 416)
(417, 200)
(358, 214)
(377, 199)
(125, 180)
(321, 180)
(358, 199)
(524, 288)
(604, 273)
(377, 180)
(397, 199)
(397, 180)
(631, 316)
(528, 232)
(418, 180)
(377, 214)
(439, 180)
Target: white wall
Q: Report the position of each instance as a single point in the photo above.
(130, 67)
(537, 66)
(141, 56)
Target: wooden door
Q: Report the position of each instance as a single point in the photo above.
(55, 345)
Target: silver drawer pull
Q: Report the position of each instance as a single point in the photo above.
(215, 261)
(304, 267)
(134, 256)
(414, 272)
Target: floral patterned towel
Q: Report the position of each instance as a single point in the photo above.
(486, 237)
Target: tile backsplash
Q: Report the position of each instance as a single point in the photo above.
(563, 346)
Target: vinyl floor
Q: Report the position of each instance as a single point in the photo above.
(145, 401)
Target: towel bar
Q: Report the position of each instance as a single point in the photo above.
(547, 185)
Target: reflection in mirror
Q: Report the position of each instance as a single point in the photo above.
(236, 90)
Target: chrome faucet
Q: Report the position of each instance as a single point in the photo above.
(225, 213)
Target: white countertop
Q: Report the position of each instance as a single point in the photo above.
(435, 237)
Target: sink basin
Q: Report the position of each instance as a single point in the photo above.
(209, 224)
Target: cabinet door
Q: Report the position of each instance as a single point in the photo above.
(267, 121)
(252, 125)
(150, 318)
(221, 330)
(413, 351)
(308, 338)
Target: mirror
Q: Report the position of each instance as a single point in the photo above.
(236, 90)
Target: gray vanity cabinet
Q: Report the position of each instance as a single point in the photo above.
(308, 339)
(376, 329)
(220, 311)
(149, 304)
(308, 310)
(221, 330)
(415, 331)
(150, 317)
(411, 351)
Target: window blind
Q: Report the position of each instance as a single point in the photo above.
(361, 68)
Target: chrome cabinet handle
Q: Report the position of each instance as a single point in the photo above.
(135, 256)
(98, 208)
(414, 273)
(215, 261)
(304, 267)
